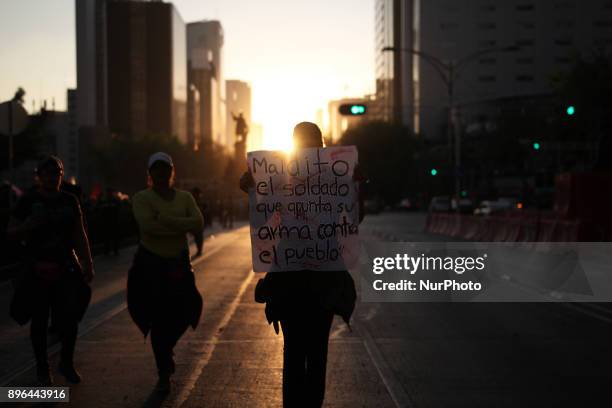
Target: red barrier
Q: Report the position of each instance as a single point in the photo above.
(514, 227)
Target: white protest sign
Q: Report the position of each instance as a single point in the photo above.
(304, 209)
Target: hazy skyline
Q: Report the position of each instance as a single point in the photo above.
(296, 55)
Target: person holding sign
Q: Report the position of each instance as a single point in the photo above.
(162, 296)
(303, 300)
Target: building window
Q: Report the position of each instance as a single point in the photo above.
(564, 5)
(524, 7)
(524, 60)
(487, 43)
(602, 24)
(487, 26)
(487, 78)
(564, 24)
(599, 42)
(487, 61)
(448, 26)
(525, 43)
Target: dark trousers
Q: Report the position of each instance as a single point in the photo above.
(59, 297)
(198, 237)
(165, 333)
(305, 358)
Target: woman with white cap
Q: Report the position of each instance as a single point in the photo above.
(162, 296)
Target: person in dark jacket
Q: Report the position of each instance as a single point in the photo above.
(50, 223)
(304, 303)
(162, 295)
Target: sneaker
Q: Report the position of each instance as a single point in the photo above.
(163, 384)
(69, 372)
(44, 377)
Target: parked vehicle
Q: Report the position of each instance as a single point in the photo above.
(440, 204)
(488, 207)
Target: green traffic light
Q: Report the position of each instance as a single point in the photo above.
(434, 172)
(536, 146)
(357, 109)
(571, 110)
(464, 193)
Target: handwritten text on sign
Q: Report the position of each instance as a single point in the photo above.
(303, 209)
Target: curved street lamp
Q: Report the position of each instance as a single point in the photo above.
(448, 72)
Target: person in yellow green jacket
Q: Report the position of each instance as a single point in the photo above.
(163, 299)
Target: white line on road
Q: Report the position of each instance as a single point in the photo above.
(88, 326)
(210, 346)
(392, 384)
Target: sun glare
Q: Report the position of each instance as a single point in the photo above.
(280, 103)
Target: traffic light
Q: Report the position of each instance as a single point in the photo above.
(571, 110)
(433, 172)
(353, 109)
(536, 146)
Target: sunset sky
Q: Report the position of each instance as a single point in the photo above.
(297, 55)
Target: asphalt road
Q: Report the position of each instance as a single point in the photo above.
(397, 355)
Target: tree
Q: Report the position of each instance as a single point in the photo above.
(388, 157)
(587, 87)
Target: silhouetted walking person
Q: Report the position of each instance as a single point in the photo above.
(162, 296)
(198, 236)
(305, 302)
(50, 223)
(110, 207)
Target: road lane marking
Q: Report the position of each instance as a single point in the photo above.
(392, 384)
(208, 351)
(88, 325)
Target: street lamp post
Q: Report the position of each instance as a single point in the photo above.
(448, 73)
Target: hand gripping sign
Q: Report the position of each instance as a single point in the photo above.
(303, 209)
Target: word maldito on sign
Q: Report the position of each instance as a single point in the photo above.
(304, 210)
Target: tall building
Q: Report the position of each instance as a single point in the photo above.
(238, 99)
(147, 71)
(547, 32)
(67, 144)
(205, 72)
(194, 132)
(91, 62)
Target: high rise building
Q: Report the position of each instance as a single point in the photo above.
(238, 100)
(91, 62)
(205, 72)
(147, 70)
(547, 33)
(194, 132)
(68, 145)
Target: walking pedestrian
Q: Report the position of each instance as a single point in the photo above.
(50, 222)
(162, 296)
(198, 236)
(305, 302)
(109, 208)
